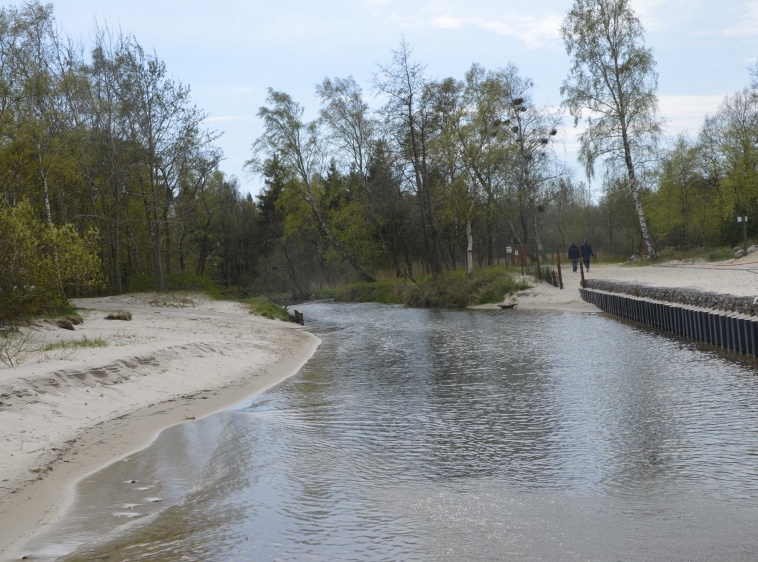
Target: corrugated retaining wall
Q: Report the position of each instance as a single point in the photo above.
(731, 330)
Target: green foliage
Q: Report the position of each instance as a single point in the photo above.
(452, 163)
(267, 309)
(697, 254)
(195, 282)
(455, 289)
(719, 254)
(387, 291)
(40, 263)
(495, 291)
(690, 255)
(684, 210)
(141, 283)
(452, 289)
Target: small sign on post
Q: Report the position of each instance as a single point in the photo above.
(743, 220)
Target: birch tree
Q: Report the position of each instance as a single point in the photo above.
(297, 144)
(613, 79)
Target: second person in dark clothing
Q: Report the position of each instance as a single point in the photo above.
(586, 253)
(574, 255)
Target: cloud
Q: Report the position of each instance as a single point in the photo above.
(534, 30)
(686, 114)
(656, 15)
(248, 90)
(230, 118)
(747, 24)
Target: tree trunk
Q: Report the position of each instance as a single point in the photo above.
(469, 242)
(638, 202)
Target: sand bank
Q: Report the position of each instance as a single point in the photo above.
(69, 411)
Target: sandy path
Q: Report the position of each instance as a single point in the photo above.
(738, 278)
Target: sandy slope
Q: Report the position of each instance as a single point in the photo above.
(66, 413)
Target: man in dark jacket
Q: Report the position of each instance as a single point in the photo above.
(574, 255)
(586, 253)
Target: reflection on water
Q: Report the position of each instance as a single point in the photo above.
(440, 435)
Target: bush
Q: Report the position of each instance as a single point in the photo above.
(452, 289)
(16, 344)
(387, 291)
(39, 263)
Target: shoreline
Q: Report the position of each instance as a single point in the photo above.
(69, 415)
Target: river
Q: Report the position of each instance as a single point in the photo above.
(449, 435)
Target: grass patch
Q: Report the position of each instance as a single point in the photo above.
(84, 342)
(696, 254)
(267, 309)
(497, 289)
(719, 254)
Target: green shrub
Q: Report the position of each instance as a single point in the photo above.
(719, 254)
(39, 262)
(141, 284)
(495, 291)
(388, 291)
(452, 289)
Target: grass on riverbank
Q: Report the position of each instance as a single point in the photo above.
(264, 307)
(451, 289)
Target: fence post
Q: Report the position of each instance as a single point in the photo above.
(581, 270)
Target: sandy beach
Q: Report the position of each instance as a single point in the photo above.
(68, 412)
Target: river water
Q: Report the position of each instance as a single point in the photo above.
(450, 435)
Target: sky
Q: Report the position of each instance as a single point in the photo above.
(229, 52)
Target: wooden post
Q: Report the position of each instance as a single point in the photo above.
(560, 277)
(581, 264)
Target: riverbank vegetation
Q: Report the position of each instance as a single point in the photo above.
(452, 289)
(110, 178)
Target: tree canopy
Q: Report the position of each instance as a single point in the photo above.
(110, 178)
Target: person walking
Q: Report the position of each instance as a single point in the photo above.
(586, 253)
(574, 255)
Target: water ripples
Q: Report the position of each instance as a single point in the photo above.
(439, 435)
